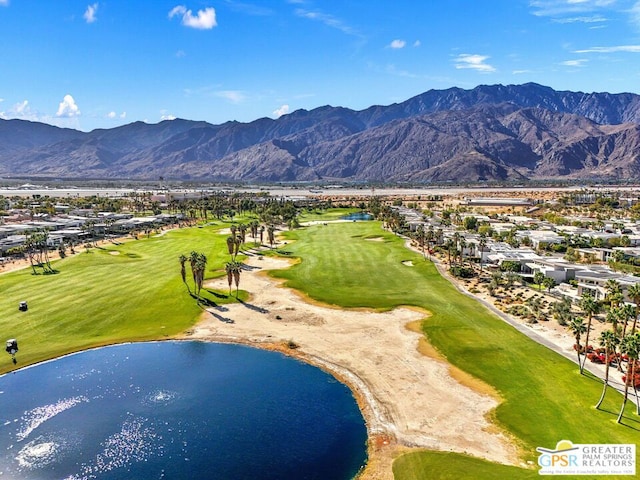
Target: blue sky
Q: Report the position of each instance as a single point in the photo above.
(101, 64)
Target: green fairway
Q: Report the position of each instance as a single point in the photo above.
(132, 291)
(545, 399)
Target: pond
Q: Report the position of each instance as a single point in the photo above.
(178, 410)
(358, 216)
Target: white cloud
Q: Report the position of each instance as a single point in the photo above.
(554, 8)
(180, 54)
(474, 62)
(521, 72)
(283, 110)
(68, 108)
(397, 44)
(22, 108)
(580, 62)
(327, 19)
(613, 49)
(234, 96)
(4, 3)
(167, 117)
(417, 43)
(113, 115)
(591, 19)
(203, 20)
(90, 13)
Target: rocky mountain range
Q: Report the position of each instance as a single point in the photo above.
(491, 132)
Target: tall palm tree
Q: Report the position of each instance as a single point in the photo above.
(629, 345)
(456, 241)
(430, 238)
(448, 245)
(590, 307)
(614, 292)
(608, 340)
(463, 245)
(231, 244)
(201, 265)
(236, 276)
(242, 228)
(421, 236)
(482, 243)
(271, 234)
(229, 270)
(634, 293)
(577, 328)
(183, 271)
(193, 262)
(627, 312)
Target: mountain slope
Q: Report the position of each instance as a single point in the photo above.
(491, 132)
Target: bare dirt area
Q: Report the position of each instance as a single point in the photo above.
(409, 399)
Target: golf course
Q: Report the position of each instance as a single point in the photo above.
(133, 291)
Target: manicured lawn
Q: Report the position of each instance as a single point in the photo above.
(451, 466)
(326, 215)
(132, 291)
(545, 399)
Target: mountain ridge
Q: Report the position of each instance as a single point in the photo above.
(491, 132)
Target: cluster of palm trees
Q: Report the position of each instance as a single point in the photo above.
(198, 263)
(36, 248)
(619, 343)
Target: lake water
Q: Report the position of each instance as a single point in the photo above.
(358, 216)
(178, 410)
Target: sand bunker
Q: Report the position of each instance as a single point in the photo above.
(408, 399)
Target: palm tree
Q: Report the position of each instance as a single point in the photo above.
(538, 279)
(630, 345)
(608, 340)
(233, 270)
(193, 262)
(577, 327)
(463, 245)
(627, 312)
(183, 271)
(229, 269)
(634, 293)
(614, 292)
(421, 236)
(236, 276)
(201, 264)
(456, 241)
(271, 234)
(430, 238)
(242, 228)
(482, 243)
(448, 244)
(590, 307)
(231, 243)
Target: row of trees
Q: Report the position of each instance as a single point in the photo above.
(618, 344)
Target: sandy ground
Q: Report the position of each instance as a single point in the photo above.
(408, 399)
